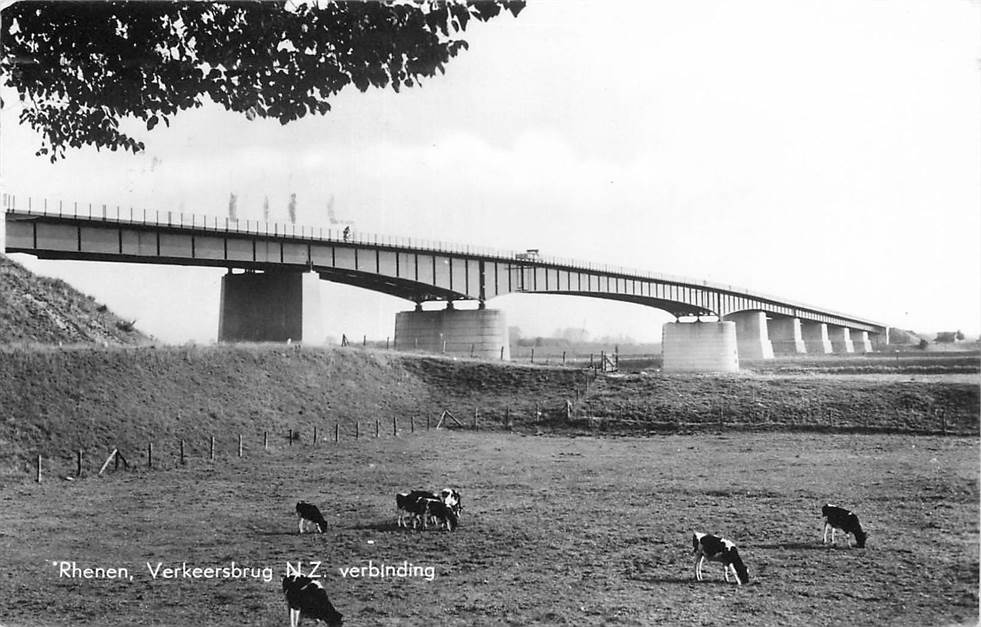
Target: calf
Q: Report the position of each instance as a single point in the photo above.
(439, 511)
(306, 597)
(716, 549)
(841, 518)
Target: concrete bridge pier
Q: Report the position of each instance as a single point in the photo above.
(271, 307)
(841, 340)
(861, 342)
(751, 334)
(785, 336)
(462, 332)
(815, 336)
(700, 347)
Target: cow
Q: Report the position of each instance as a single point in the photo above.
(308, 513)
(405, 502)
(453, 500)
(307, 597)
(840, 518)
(716, 549)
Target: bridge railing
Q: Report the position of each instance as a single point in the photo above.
(141, 216)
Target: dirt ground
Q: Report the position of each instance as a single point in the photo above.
(557, 530)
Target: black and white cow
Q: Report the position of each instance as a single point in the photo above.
(405, 502)
(305, 597)
(716, 549)
(308, 513)
(426, 507)
(840, 518)
(453, 500)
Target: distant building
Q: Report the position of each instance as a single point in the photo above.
(949, 337)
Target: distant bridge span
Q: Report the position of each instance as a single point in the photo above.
(412, 269)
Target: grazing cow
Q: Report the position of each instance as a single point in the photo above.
(716, 549)
(306, 597)
(438, 511)
(308, 513)
(406, 504)
(841, 518)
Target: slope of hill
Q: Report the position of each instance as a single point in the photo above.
(55, 401)
(40, 310)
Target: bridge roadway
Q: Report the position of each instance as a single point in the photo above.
(275, 255)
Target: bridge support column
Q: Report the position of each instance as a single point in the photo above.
(3, 220)
(271, 307)
(815, 336)
(700, 346)
(861, 342)
(841, 340)
(785, 336)
(462, 332)
(751, 334)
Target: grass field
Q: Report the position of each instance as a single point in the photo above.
(557, 530)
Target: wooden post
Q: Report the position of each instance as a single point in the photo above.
(563, 358)
(395, 426)
(212, 450)
(39, 469)
(265, 440)
(412, 424)
(357, 429)
(149, 454)
(427, 422)
(376, 427)
(239, 444)
(590, 361)
(78, 463)
(386, 342)
(364, 341)
(502, 353)
(182, 452)
(291, 437)
(475, 416)
(532, 354)
(337, 432)
(315, 435)
(507, 417)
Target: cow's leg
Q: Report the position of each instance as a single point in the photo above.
(825, 540)
(833, 530)
(300, 523)
(725, 571)
(698, 566)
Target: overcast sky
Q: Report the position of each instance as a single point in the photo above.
(826, 152)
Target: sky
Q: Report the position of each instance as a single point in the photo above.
(824, 152)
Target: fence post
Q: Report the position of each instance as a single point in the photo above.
(149, 454)
(265, 440)
(532, 354)
(502, 353)
(476, 413)
(315, 435)
(376, 427)
(563, 358)
(182, 451)
(357, 429)
(212, 453)
(291, 437)
(78, 463)
(239, 444)
(39, 469)
(507, 417)
(395, 426)
(337, 432)
(412, 424)
(427, 422)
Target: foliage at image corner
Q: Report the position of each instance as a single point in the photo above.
(80, 68)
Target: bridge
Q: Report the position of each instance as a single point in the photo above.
(275, 295)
